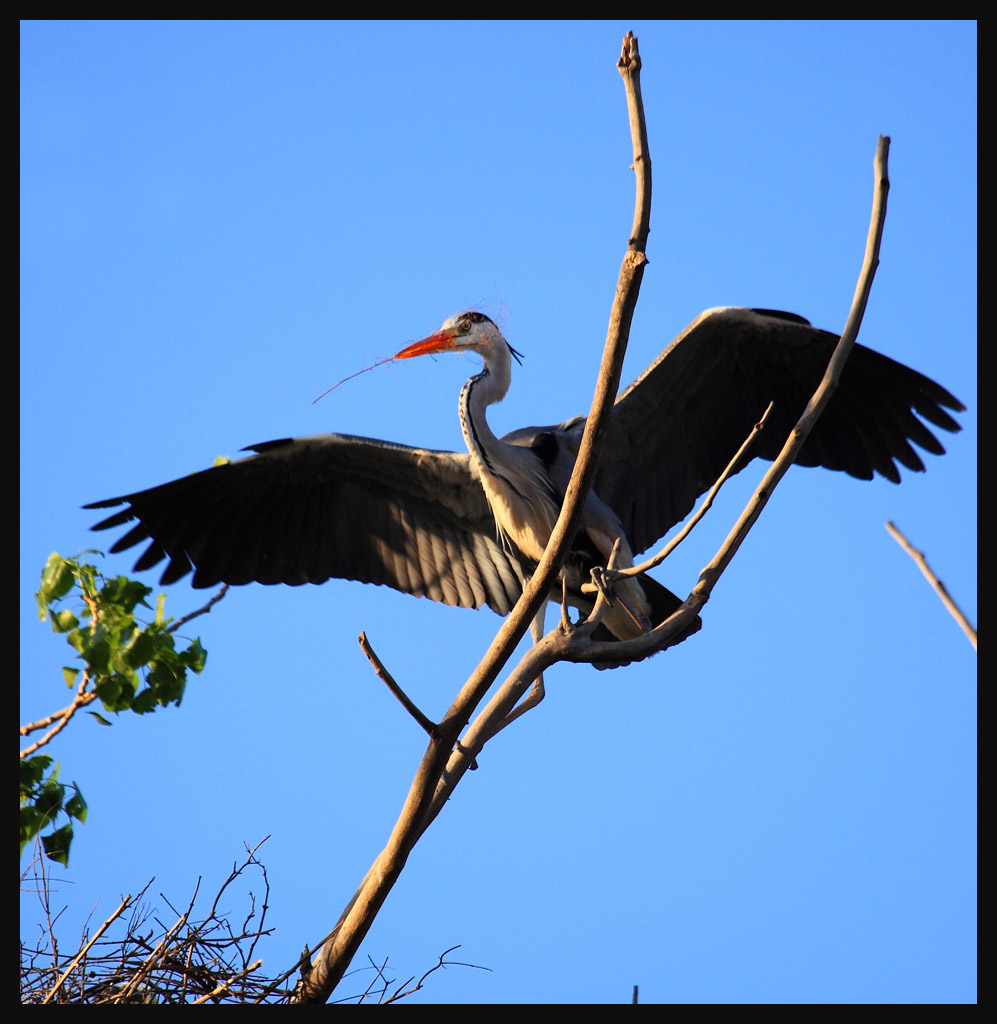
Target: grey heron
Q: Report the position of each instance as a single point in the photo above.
(468, 528)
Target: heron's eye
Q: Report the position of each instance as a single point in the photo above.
(464, 327)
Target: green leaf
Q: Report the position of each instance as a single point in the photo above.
(57, 581)
(31, 823)
(125, 592)
(195, 656)
(86, 576)
(140, 650)
(32, 771)
(97, 655)
(117, 691)
(108, 689)
(56, 845)
(144, 702)
(48, 802)
(70, 675)
(76, 806)
(64, 621)
(100, 718)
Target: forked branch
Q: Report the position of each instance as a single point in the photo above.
(666, 633)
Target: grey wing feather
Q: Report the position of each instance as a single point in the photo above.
(677, 426)
(306, 509)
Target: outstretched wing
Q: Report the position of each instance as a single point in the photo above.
(303, 510)
(674, 430)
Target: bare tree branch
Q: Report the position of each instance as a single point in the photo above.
(61, 718)
(341, 945)
(446, 760)
(386, 677)
(946, 598)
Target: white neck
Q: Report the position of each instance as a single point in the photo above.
(485, 389)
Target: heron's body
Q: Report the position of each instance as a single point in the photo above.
(523, 492)
(468, 529)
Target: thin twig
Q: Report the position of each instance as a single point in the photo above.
(389, 681)
(379, 975)
(946, 598)
(533, 698)
(81, 700)
(200, 611)
(399, 994)
(732, 467)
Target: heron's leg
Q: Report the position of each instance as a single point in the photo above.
(565, 614)
(537, 632)
(536, 694)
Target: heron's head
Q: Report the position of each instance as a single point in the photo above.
(470, 331)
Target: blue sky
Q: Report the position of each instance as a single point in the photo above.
(220, 220)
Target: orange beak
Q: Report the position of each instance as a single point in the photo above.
(441, 341)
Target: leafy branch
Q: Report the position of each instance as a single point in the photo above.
(128, 665)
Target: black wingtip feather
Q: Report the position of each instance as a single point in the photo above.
(118, 519)
(268, 446)
(152, 555)
(106, 503)
(134, 536)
